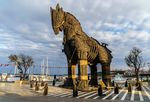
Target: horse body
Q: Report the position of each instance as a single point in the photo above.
(81, 49)
(76, 38)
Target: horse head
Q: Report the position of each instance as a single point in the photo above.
(57, 19)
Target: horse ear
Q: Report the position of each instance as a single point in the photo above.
(51, 9)
(57, 7)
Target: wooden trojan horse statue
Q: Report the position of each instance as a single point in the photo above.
(81, 50)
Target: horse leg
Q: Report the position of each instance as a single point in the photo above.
(71, 74)
(105, 60)
(93, 81)
(83, 71)
(106, 74)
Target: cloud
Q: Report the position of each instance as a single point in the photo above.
(26, 27)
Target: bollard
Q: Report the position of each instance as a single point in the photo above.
(45, 92)
(129, 88)
(36, 86)
(139, 88)
(42, 83)
(31, 84)
(54, 82)
(126, 84)
(137, 83)
(100, 90)
(116, 89)
(113, 83)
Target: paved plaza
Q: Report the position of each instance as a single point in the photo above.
(11, 92)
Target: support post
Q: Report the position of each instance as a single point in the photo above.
(83, 75)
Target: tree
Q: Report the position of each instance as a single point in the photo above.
(135, 61)
(23, 62)
(17, 61)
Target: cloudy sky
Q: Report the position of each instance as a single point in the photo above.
(25, 27)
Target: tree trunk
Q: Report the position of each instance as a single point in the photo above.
(21, 76)
(137, 76)
(24, 74)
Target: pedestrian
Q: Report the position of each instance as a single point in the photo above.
(126, 83)
(54, 82)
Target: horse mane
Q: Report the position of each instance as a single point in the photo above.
(73, 16)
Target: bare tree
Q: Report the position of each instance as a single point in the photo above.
(17, 61)
(23, 62)
(135, 61)
(26, 62)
